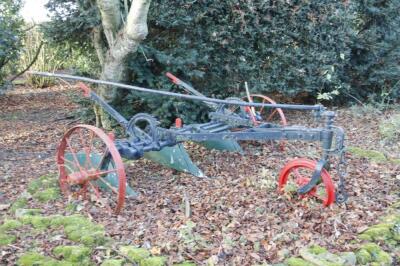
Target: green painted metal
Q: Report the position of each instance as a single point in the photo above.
(176, 158)
(222, 145)
(111, 178)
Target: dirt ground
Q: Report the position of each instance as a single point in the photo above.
(237, 217)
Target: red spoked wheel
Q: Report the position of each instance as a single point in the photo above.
(265, 114)
(89, 163)
(298, 172)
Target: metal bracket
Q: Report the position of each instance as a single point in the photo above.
(316, 176)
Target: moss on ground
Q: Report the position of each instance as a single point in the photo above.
(27, 212)
(33, 258)
(113, 262)
(185, 263)
(315, 249)
(10, 224)
(80, 229)
(320, 256)
(40, 222)
(390, 128)
(46, 195)
(298, 262)
(19, 204)
(377, 232)
(142, 256)
(44, 188)
(153, 261)
(372, 253)
(134, 253)
(6, 239)
(388, 231)
(75, 254)
(372, 155)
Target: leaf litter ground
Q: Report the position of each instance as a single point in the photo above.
(236, 216)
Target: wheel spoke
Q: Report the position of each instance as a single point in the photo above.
(262, 108)
(272, 115)
(88, 162)
(95, 190)
(105, 153)
(81, 138)
(91, 136)
(298, 175)
(98, 195)
(98, 174)
(108, 185)
(74, 155)
(68, 161)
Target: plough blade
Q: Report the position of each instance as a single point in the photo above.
(95, 158)
(176, 158)
(222, 145)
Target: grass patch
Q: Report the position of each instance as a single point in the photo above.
(372, 155)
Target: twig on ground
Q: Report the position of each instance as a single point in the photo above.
(187, 204)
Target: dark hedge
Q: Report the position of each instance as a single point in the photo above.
(326, 49)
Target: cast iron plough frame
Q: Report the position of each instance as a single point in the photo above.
(223, 121)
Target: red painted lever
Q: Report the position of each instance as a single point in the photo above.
(178, 122)
(85, 88)
(173, 78)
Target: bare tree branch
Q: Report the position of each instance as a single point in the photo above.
(134, 31)
(98, 44)
(136, 26)
(110, 18)
(30, 64)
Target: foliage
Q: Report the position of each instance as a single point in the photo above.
(10, 34)
(46, 60)
(71, 20)
(306, 50)
(280, 47)
(54, 56)
(374, 67)
(390, 128)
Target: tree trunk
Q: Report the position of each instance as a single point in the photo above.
(114, 69)
(122, 41)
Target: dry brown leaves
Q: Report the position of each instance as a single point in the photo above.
(236, 216)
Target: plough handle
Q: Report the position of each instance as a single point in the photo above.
(188, 88)
(316, 107)
(183, 84)
(87, 92)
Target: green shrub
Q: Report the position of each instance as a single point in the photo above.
(10, 35)
(305, 50)
(390, 128)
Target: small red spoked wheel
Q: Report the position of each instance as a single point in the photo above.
(298, 172)
(89, 162)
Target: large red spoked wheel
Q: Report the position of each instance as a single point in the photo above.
(265, 114)
(298, 172)
(89, 162)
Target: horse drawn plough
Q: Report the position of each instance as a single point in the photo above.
(90, 161)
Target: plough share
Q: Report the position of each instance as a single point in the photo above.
(90, 161)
